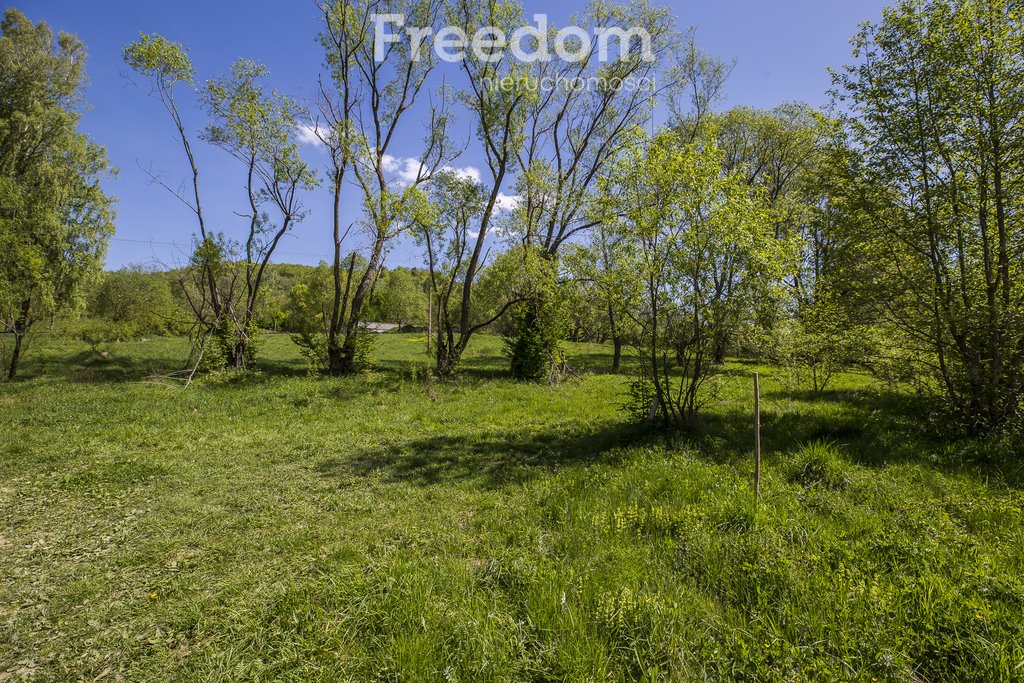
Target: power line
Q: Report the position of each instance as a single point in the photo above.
(177, 245)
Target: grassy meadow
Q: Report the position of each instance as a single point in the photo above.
(277, 526)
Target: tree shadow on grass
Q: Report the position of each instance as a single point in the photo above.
(119, 369)
(492, 460)
(483, 367)
(92, 367)
(871, 418)
(115, 367)
(872, 428)
(599, 363)
(728, 436)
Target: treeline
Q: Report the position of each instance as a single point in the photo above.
(883, 233)
(136, 302)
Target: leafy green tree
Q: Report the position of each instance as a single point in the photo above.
(258, 128)
(824, 324)
(464, 211)
(389, 88)
(400, 297)
(822, 340)
(583, 300)
(137, 299)
(685, 222)
(55, 219)
(571, 132)
(778, 152)
(345, 27)
(167, 68)
(454, 261)
(597, 269)
(935, 104)
(528, 347)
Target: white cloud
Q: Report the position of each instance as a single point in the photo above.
(390, 163)
(406, 169)
(466, 172)
(307, 135)
(507, 202)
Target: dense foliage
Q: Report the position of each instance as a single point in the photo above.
(935, 121)
(55, 218)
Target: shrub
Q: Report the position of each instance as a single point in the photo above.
(641, 398)
(139, 299)
(528, 347)
(97, 332)
(313, 347)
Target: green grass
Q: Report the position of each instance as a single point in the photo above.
(271, 526)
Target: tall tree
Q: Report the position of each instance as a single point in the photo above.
(588, 102)
(55, 219)
(259, 130)
(497, 96)
(167, 68)
(390, 84)
(586, 108)
(779, 152)
(936, 99)
(454, 260)
(345, 33)
(597, 267)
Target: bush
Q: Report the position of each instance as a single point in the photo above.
(820, 345)
(538, 326)
(641, 398)
(527, 348)
(97, 332)
(139, 299)
(313, 347)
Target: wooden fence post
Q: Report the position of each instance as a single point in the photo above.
(757, 438)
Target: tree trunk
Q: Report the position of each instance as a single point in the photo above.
(721, 345)
(336, 363)
(430, 316)
(346, 362)
(449, 349)
(447, 360)
(21, 327)
(363, 292)
(616, 339)
(333, 347)
(12, 370)
(237, 359)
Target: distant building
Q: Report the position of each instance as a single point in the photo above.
(379, 328)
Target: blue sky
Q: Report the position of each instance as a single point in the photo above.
(782, 51)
